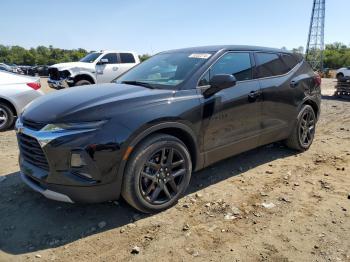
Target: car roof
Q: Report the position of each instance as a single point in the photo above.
(115, 51)
(216, 48)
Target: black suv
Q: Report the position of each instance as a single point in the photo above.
(180, 111)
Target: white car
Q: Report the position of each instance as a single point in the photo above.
(342, 72)
(16, 91)
(95, 68)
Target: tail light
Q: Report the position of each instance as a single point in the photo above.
(318, 80)
(34, 85)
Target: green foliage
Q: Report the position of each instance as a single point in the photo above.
(39, 56)
(144, 57)
(336, 55)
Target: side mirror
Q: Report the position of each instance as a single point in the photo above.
(218, 83)
(103, 61)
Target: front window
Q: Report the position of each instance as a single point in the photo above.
(90, 58)
(236, 64)
(112, 58)
(166, 70)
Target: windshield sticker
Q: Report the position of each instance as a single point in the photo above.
(200, 56)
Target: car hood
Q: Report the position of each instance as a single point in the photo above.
(66, 66)
(92, 102)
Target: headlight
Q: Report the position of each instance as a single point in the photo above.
(73, 126)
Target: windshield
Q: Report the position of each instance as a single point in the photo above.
(165, 70)
(90, 58)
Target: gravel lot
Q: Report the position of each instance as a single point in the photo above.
(269, 204)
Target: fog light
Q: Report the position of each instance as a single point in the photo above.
(76, 160)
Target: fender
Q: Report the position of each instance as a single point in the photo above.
(12, 103)
(310, 101)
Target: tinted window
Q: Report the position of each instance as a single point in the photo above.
(112, 58)
(237, 64)
(270, 65)
(205, 79)
(126, 58)
(90, 58)
(289, 60)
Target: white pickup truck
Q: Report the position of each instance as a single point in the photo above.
(96, 67)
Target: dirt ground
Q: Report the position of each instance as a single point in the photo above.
(269, 204)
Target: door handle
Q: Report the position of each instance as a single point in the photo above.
(294, 83)
(253, 95)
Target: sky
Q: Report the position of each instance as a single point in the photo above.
(147, 26)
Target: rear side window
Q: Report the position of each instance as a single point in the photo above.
(126, 58)
(269, 64)
(237, 64)
(112, 58)
(289, 60)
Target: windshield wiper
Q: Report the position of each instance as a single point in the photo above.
(138, 83)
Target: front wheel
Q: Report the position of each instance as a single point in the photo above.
(303, 133)
(157, 174)
(82, 83)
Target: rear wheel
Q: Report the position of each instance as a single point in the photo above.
(340, 76)
(157, 174)
(83, 82)
(6, 117)
(303, 133)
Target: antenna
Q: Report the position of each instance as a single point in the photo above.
(315, 42)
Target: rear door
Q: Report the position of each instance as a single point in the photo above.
(105, 73)
(231, 117)
(275, 73)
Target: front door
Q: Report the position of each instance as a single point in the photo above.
(231, 117)
(106, 72)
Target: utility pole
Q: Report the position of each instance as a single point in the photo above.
(315, 42)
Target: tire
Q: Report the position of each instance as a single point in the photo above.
(306, 122)
(7, 117)
(145, 176)
(340, 76)
(82, 83)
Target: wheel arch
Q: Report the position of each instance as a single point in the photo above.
(314, 106)
(84, 77)
(9, 104)
(176, 129)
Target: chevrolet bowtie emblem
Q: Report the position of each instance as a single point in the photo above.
(20, 130)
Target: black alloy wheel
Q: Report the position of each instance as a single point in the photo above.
(162, 175)
(157, 173)
(307, 128)
(303, 133)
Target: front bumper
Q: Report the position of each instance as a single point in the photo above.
(96, 181)
(44, 191)
(60, 84)
(30, 175)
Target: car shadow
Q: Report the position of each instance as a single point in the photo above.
(342, 98)
(29, 222)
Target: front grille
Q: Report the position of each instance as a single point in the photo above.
(32, 125)
(31, 151)
(54, 74)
